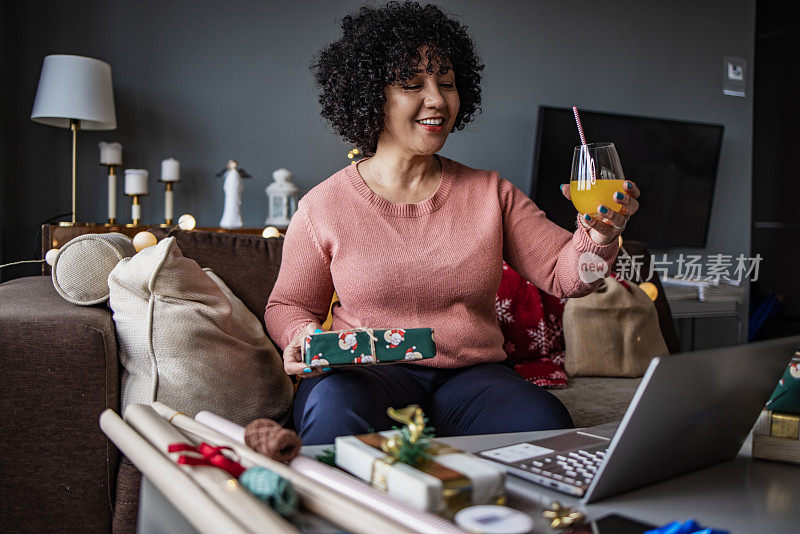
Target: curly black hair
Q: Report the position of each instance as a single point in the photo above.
(380, 47)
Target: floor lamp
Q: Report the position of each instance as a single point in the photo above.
(75, 92)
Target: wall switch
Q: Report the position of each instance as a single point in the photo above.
(733, 81)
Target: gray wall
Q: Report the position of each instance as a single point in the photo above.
(205, 81)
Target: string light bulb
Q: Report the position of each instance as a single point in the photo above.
(352, 154)
(270, 231)
(50, 256)
(186, 222)
(142, 240)
(650, 290)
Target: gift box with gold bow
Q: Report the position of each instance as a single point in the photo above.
(443, 480)
(367, 345)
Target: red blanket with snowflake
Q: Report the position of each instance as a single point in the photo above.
(531, 321)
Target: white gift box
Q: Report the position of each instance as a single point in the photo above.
(463, 479)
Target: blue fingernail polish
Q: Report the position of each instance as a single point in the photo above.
(618, 195)
(306, 370)
(602, 209)
(326, 368)
(628, 185)
(318, 331)
(587, 217)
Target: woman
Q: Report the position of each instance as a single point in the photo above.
(408, 238)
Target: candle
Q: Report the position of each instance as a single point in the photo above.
(135, 182)
(169, 202)
(170, 170)
(112, 197)
(136, 211)
(110, 153)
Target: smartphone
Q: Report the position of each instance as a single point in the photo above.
(613, 524)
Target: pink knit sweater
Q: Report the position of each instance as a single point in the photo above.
(434, 264)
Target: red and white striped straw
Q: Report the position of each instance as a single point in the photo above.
(578, 122)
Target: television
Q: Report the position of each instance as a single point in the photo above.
(674, 163)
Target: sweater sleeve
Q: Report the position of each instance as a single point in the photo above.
(304, 288)
(541, 251)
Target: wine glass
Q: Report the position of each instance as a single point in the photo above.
(596, 175)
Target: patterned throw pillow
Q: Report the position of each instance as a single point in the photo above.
(531, 322)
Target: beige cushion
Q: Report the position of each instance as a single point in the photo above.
(186, 340)
(81, 267)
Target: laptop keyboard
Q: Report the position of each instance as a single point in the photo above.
(575, 468)
(566, 462)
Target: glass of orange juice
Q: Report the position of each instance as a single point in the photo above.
(596, 175)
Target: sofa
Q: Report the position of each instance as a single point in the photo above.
(60, 370)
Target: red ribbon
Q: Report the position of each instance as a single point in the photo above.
(210, 456)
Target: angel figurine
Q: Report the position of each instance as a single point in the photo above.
(232, 186)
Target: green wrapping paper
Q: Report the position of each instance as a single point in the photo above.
(786, 397)
(359, 346)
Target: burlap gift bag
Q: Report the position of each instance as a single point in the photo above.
(612, 332)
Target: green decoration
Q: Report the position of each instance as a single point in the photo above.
(327, 456)
(411, 444)
(786, 397)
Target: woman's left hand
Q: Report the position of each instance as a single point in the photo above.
(608, 224)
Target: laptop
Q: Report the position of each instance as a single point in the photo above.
(691, 410)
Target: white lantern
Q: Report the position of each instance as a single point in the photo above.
(281, 199)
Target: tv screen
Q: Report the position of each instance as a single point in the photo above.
(674, 163)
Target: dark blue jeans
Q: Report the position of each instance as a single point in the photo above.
(482, 399)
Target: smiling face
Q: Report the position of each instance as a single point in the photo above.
(420, 112)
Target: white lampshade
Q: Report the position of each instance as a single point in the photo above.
(75, 87)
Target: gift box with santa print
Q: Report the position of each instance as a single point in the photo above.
(359, 346)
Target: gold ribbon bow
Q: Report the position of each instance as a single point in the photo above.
(413, 418)
(562, 517)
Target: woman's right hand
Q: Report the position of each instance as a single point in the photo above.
(292, 359)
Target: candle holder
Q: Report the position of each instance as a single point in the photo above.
(112, 193)
(169, 203)
(136, 209)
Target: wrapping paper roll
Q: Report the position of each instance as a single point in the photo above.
(333, 479)
(343, 510)
(221, 425)
(410, 517)
(226, 490)
(203, 512)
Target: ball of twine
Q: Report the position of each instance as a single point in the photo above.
(272, 440)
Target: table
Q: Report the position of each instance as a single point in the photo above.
(742, 496)
(53, 235)
(698, 309)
